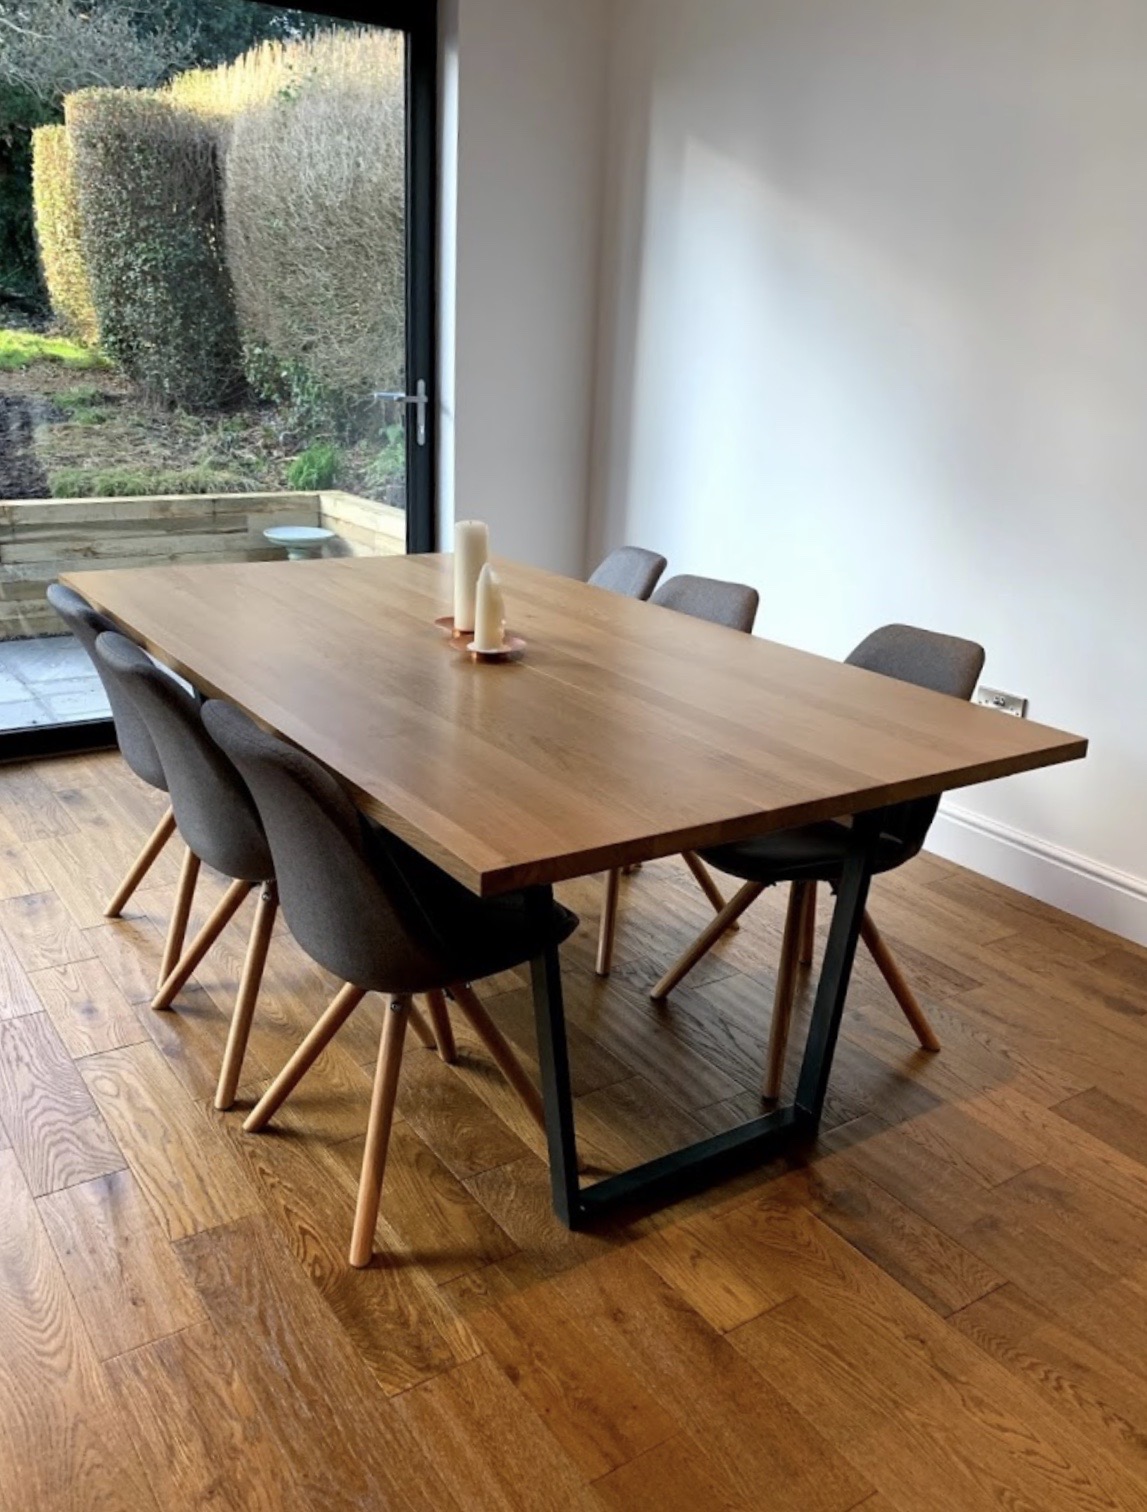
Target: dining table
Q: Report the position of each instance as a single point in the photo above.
(619, 733)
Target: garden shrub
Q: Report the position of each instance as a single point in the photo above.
(317, 467)
(146, 173)
(57, 211)
(20, 113)
(314, 200)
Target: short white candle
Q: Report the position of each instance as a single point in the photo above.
(490, 619)
(471, 548)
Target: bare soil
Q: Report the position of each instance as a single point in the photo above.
(22, 475)
(54, 418)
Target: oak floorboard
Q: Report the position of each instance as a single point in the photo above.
(332, 1425)
(698, 1377)
(119, 1264)
(84, 870)
(19, 874)
(195, 1423)
(427, 1213)
(42, 933)
(495, 1444)
(918, 1408)
(174, 1147)
(595, 1403)
(1116, 1123)
(131, 948)
(441, 1104)
(390, 1312)
(18, 995)
(89, 1011)
(30, 808)
(58, 1427)
(56, 1129)
(1074, 1376)
(679, 1475)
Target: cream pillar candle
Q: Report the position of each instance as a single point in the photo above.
(490, 618)
(471, 548)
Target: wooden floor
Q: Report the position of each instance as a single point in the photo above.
(944, 1308)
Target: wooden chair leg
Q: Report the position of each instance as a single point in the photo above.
(347, 1000)
(142, 864)
(248, 996)
(608, 927)
(443, 1031)
(378, 1131)
(705, 941)
(704, 879)
(808, 927)
(423, 1030)
(896, 980)
(225, 910)
(180, 914)
(786, 990)
(499, 1047)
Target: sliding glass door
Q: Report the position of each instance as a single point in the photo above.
(223, 344)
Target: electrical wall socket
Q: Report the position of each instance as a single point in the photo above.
(1005, 703)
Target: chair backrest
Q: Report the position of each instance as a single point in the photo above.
(349, 906)
(213, 810)
(630, 570)
(132, 736)
(943, 663)
(731, 604)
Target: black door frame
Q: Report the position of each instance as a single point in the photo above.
(419, 20)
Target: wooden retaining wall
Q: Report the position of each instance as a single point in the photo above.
(40, 538)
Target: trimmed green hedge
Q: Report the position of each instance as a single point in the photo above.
(58, 233)
(146, 174)
(315, 197)
(20, 112)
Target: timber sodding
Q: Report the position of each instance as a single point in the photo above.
(40, 538)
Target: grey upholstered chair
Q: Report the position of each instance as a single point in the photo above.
(630, 570)
(383, 919)
(136, 745)
(219, 823)
(733, 605)
(816, 853)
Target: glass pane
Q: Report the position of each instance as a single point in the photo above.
(203, 298)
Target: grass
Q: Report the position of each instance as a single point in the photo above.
(86, 405)
(128, 482)
(21, 349)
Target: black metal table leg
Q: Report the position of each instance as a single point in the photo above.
(553, 1055)
(670, 1177)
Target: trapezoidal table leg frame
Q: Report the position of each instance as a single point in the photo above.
(659, 1182)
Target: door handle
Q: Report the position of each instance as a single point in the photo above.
(420, 399)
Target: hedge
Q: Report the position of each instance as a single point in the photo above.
(146, 173)
(314, 201)
(58, 234)
(20, 112)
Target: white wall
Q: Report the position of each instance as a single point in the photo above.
(523, 95)
(874, 337)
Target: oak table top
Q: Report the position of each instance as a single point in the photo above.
(627, 732)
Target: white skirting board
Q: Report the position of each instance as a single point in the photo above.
(1112, 899)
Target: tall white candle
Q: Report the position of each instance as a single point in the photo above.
(490, 617)
(471, 548)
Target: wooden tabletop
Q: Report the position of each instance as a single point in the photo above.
(627, 732)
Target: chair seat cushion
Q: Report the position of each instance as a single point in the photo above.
(810, 853)
(470, 937)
